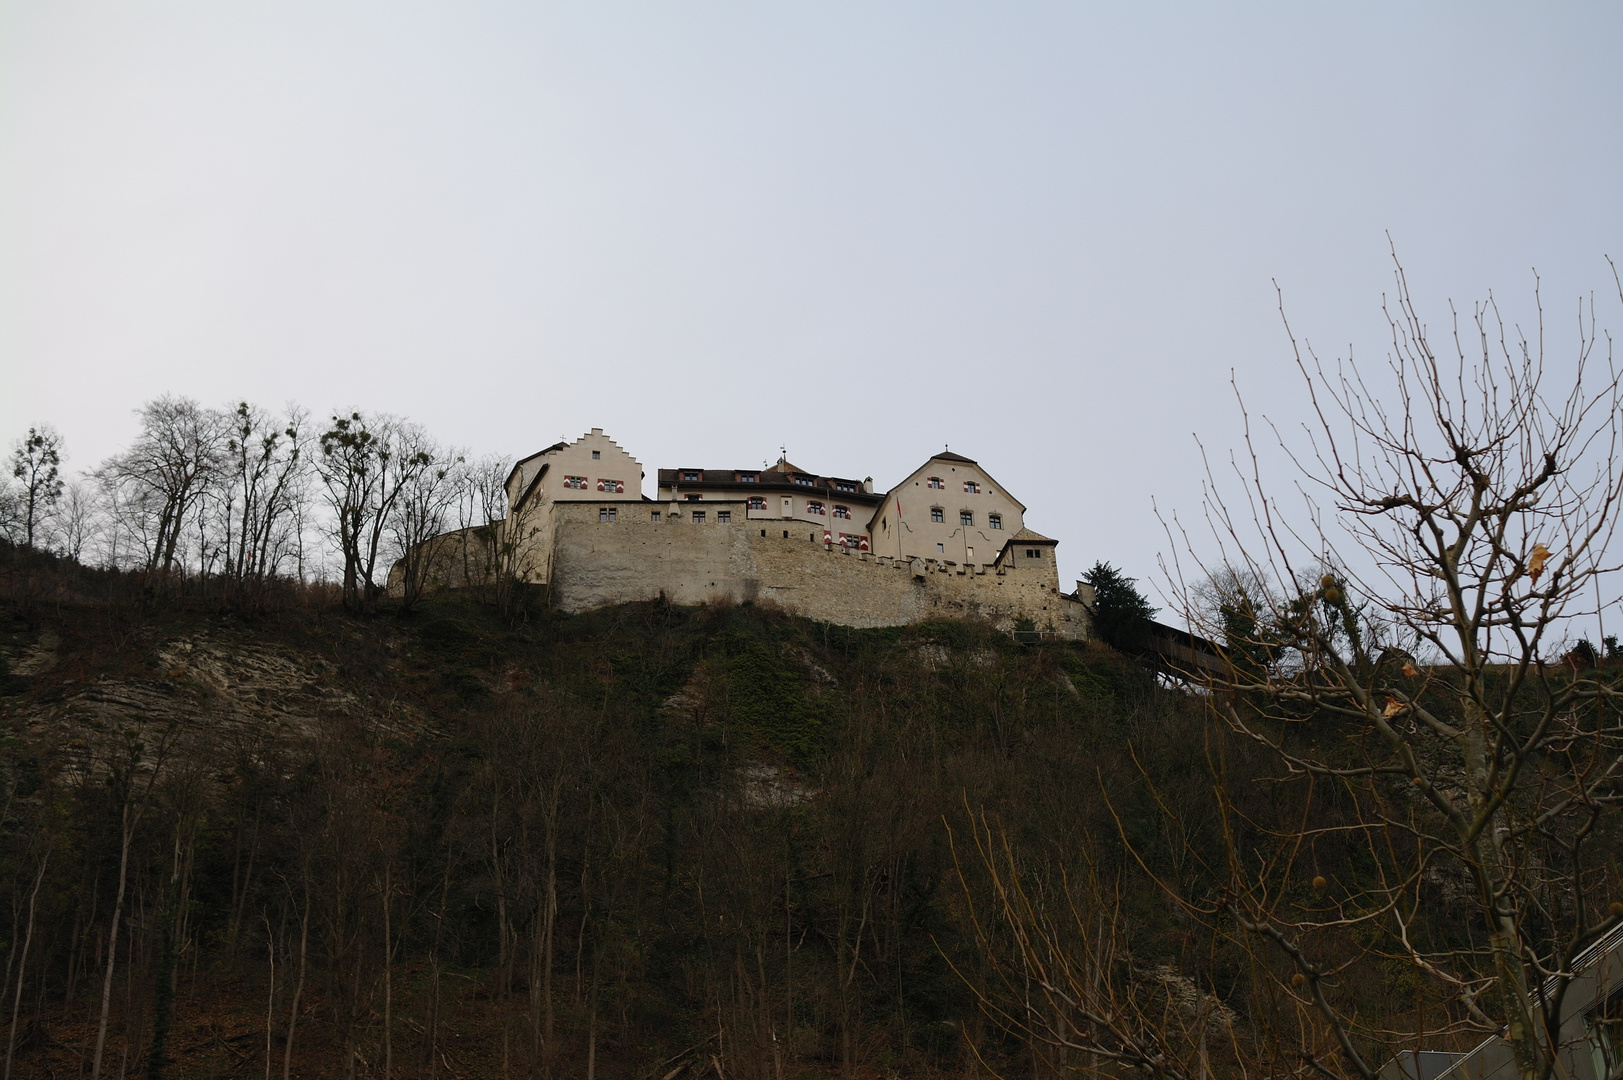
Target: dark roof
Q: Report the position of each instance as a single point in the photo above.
(948, 455)
(779, 477)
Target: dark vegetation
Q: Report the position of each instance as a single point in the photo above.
(609, 844)
(645, 841)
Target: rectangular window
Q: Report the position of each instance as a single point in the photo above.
(1034, 553)
(804, 481)
(994, 521)
(693, 475)
(611, 487)
(843, 512)
(969, 553)
(936, 514)
(941, 549)
(698, 517)
(724, 517)
(971, 487)
(935, 482)
(653, 515)
(691, 497)
(965, 518)
(746, 478)
(757, 503)
(606, 513)
(578, 483)
(844, 485)
(814, 507)
(597, 455)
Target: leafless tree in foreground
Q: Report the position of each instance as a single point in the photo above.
(1063, 980)
(1399, 643)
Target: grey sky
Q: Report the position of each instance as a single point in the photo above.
(1042, 233)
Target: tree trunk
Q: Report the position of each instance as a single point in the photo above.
(388, 978)
(127, 831)
(163, 991)
(22, 960)
(298, 986)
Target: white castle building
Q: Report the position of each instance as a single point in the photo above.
(947, 541)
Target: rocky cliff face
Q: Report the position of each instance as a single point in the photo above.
(217, 688)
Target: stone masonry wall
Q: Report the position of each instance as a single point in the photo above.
(599, 563)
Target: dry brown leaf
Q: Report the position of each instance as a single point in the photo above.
(1410, 671)
(1393, 707)
(1535, 563)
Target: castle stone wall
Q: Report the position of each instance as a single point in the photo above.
(599, 563)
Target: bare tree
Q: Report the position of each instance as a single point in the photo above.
(158, 484)
(264, 483)
(77, 523)
(133, 804)
(35, 464)
(480, 508)
(1065, 980)
(1397, 646)
(426, 497)
(367, 461)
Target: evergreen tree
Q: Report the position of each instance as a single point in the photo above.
(1121, 614)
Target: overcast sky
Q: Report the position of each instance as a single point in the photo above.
(1043, 234)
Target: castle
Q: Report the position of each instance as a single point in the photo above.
(948, 541)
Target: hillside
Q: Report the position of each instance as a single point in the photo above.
(454, 843)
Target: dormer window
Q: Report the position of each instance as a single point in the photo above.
(747, 478)
(842, 512)
(994, 521)
(692, 476)
(971, 488)
(805, 481)
(935, 482)
(845, 485)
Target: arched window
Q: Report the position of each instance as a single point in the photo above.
(842, 512)
(757, 502)
(814, 507)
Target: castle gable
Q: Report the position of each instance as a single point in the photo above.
(948, 509)
(593, 468)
